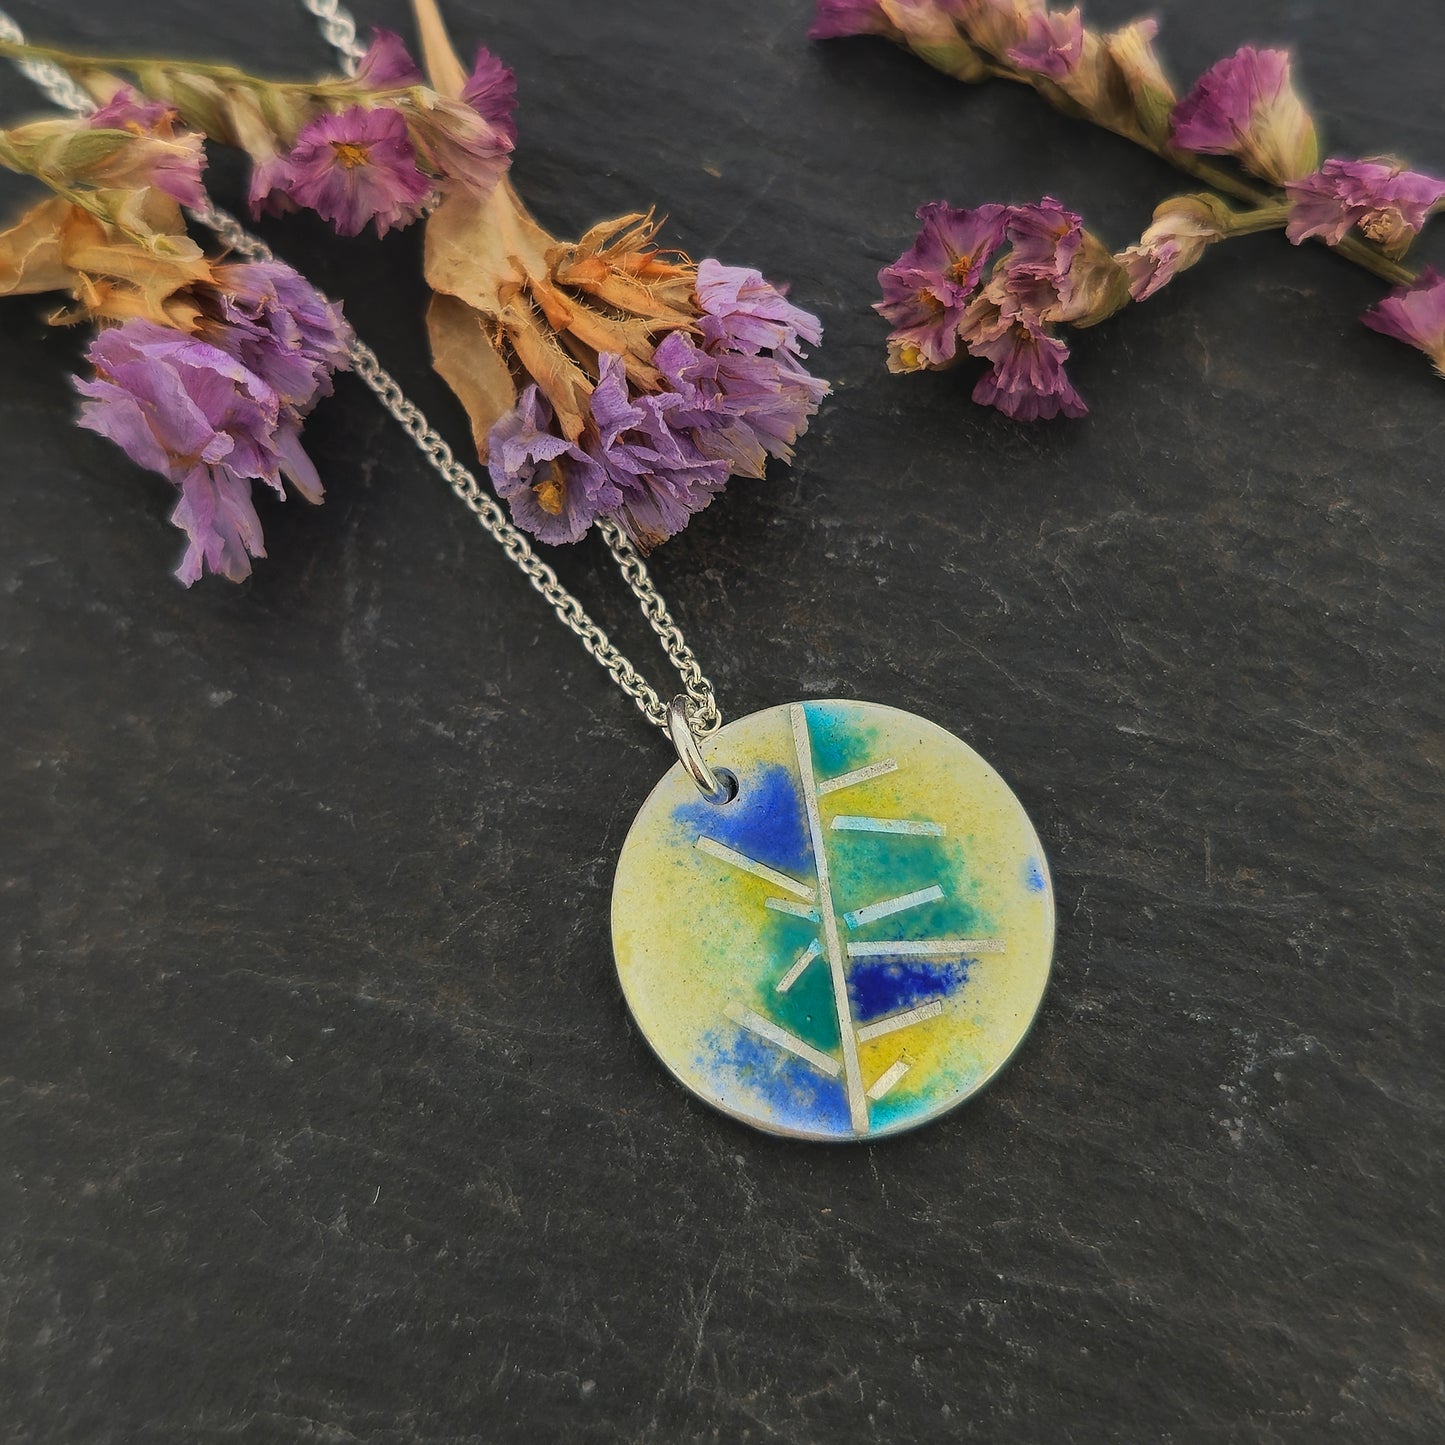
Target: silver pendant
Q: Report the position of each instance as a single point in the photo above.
(854, 941)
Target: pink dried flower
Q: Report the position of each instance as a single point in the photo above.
(1052, 45)
(1246, 106)
(387, 64)
(927, 288)
(356, 167)
(836, 18)
(168, 158)
(1026, 380)
(459, 144)
(1387, 202)
(491, 90)
(1415, 314)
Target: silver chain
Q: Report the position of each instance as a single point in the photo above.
(339, 29)
(701, 706)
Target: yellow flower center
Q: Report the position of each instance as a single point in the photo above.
(962, 264)
(551, 492)
(351, 155)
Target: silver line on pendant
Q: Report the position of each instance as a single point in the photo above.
(886, 1080)
(859, 916)
(927, 948)
(852, 1073)
(751, 865)
(847, 822)
(767, 1029)
(894, 1022)
(796, 971)
(858, 775)
(786, 905)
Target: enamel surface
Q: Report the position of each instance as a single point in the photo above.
(852, 1000)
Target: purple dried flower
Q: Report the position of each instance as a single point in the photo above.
(836, 18)
(926, 289)
(271, 178)
(1246, 106)
(491, 90)
(1387, 202)
(387, 64)
(277, 325)
(459, 143)
(1053, 44)
(746, 313)
(1044, 241)
(187, 410)
(554, 489)
(651, 457)
(1026, 380)
(1415, 314)
(171, 160)
(356, 167)
(127, 111)
(741, 408)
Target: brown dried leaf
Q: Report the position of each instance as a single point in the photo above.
(30, 252)
(466, 358)
(561, 380)
(149, 280)
(476, 248)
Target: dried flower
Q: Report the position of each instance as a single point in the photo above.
(356, 167)
(927, 288)
(214, 411)
(186, 409)
(926, 26)
(169, 158)
(1246, 106)
(1183, 228)
(554, 489)
(606, 377)
(491, 90)
(1026, 379)
(277, 325)
(836, 18)
(1387, 202)
(387, 63)
(1052, 45)
(1415, 314)
(1046, 270)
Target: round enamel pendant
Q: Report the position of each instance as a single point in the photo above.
(855, 943)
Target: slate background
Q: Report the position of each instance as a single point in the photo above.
(321, 1118)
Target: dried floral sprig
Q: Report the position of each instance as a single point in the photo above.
(203, 370)
(606, 377)
(370, 148)
(1245, 108)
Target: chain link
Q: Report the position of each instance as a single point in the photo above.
(339, 28)
(701, 706)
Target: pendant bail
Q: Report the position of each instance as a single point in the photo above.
(716, 787)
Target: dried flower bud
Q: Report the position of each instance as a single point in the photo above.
(1184, 227)
(1152, 96)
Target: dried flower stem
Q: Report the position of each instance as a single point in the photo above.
(1219, 178)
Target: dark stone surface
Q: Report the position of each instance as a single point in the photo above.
(320, 1115)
